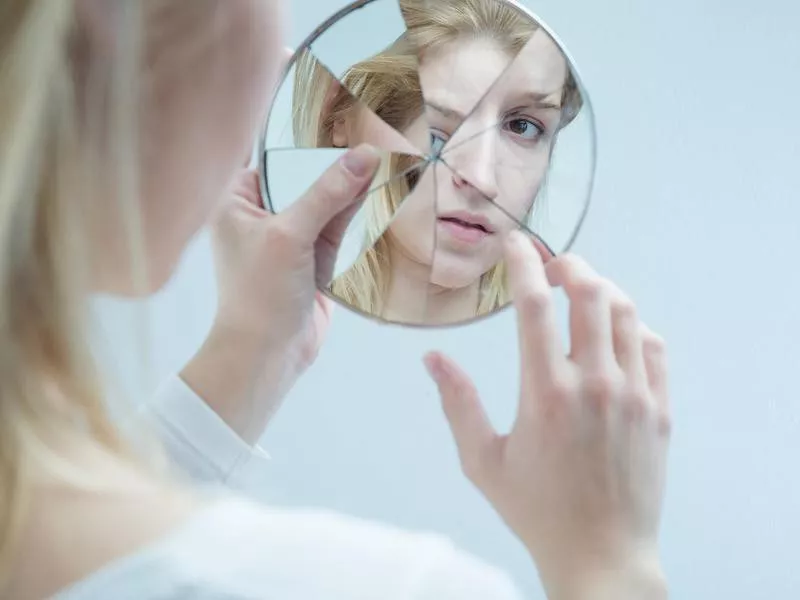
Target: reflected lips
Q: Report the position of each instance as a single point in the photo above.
(466, 227)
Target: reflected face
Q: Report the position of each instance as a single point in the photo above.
(495, 160)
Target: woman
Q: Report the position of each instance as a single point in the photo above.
(479, 83)
(84, 516)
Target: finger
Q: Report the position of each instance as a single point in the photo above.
(326, 305)
(541, 352)
(627, 339)
(246, 186)
(476, 440)
(655, 361)
(339, 188)
(543, 249)
(589, 311)
(242, 189)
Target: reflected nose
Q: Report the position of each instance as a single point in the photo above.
(473, 163)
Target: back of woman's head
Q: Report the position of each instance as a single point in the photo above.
(44, 358)
(389, 85)
(121, 124)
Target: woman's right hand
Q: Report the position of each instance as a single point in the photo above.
(580, 477)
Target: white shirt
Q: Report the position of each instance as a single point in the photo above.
(236, 550)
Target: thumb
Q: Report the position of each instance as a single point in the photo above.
(339, 188)
(475, 438)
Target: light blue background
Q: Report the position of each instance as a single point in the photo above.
(695, 214)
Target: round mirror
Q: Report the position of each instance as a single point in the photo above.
(483, 125)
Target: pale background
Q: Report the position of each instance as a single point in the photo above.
(695, 213)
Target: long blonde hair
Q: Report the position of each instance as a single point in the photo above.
(388, 84)
(49, 381)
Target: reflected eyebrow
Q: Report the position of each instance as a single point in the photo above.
(542, 100)
(449, 113)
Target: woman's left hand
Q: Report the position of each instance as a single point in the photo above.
(248, 243)
(272, 320)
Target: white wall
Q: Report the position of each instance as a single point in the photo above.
(695, 213)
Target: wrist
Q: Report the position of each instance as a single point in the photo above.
(242, 376)
(638, 576)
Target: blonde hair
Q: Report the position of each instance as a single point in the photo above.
(388, 84)
(49, 380)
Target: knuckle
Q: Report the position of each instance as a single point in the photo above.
(636, 405)
(535, 303)
(625, 308)
(561, 390)
(601, 389)
(664, 423)
(588, 289)
(653, 344)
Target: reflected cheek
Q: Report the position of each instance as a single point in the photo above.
(408, 235)
(519, 192)
(412, 229)
(521, 210)
(503, 230)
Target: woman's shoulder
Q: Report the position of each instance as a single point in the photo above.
(236, 549)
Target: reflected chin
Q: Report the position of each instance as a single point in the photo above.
(454, 273)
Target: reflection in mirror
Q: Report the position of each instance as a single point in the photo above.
(468, 277)
(462, 47)
(313, 109)
(391, 277)
(484, 126)
(524, 147)
(291, 171)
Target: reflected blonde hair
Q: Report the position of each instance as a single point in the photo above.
(49, 380)
(388, 84)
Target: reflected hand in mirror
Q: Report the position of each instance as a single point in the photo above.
(484, 128)
(580, 476)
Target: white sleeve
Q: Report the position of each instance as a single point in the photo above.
(357, 559)
(457, 575)
(197, 439)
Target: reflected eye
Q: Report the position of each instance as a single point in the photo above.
(525, 128)
(437, 143)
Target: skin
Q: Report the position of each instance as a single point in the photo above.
(267, 327)
(580, 475)
(210, 84)
(470, 87)
(562, 478)
(182, 102)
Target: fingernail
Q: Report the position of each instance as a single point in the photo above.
(360, 161)
(432, 365)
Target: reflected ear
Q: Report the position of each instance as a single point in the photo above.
(339, 128)
(334, 89)
(339, 134)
